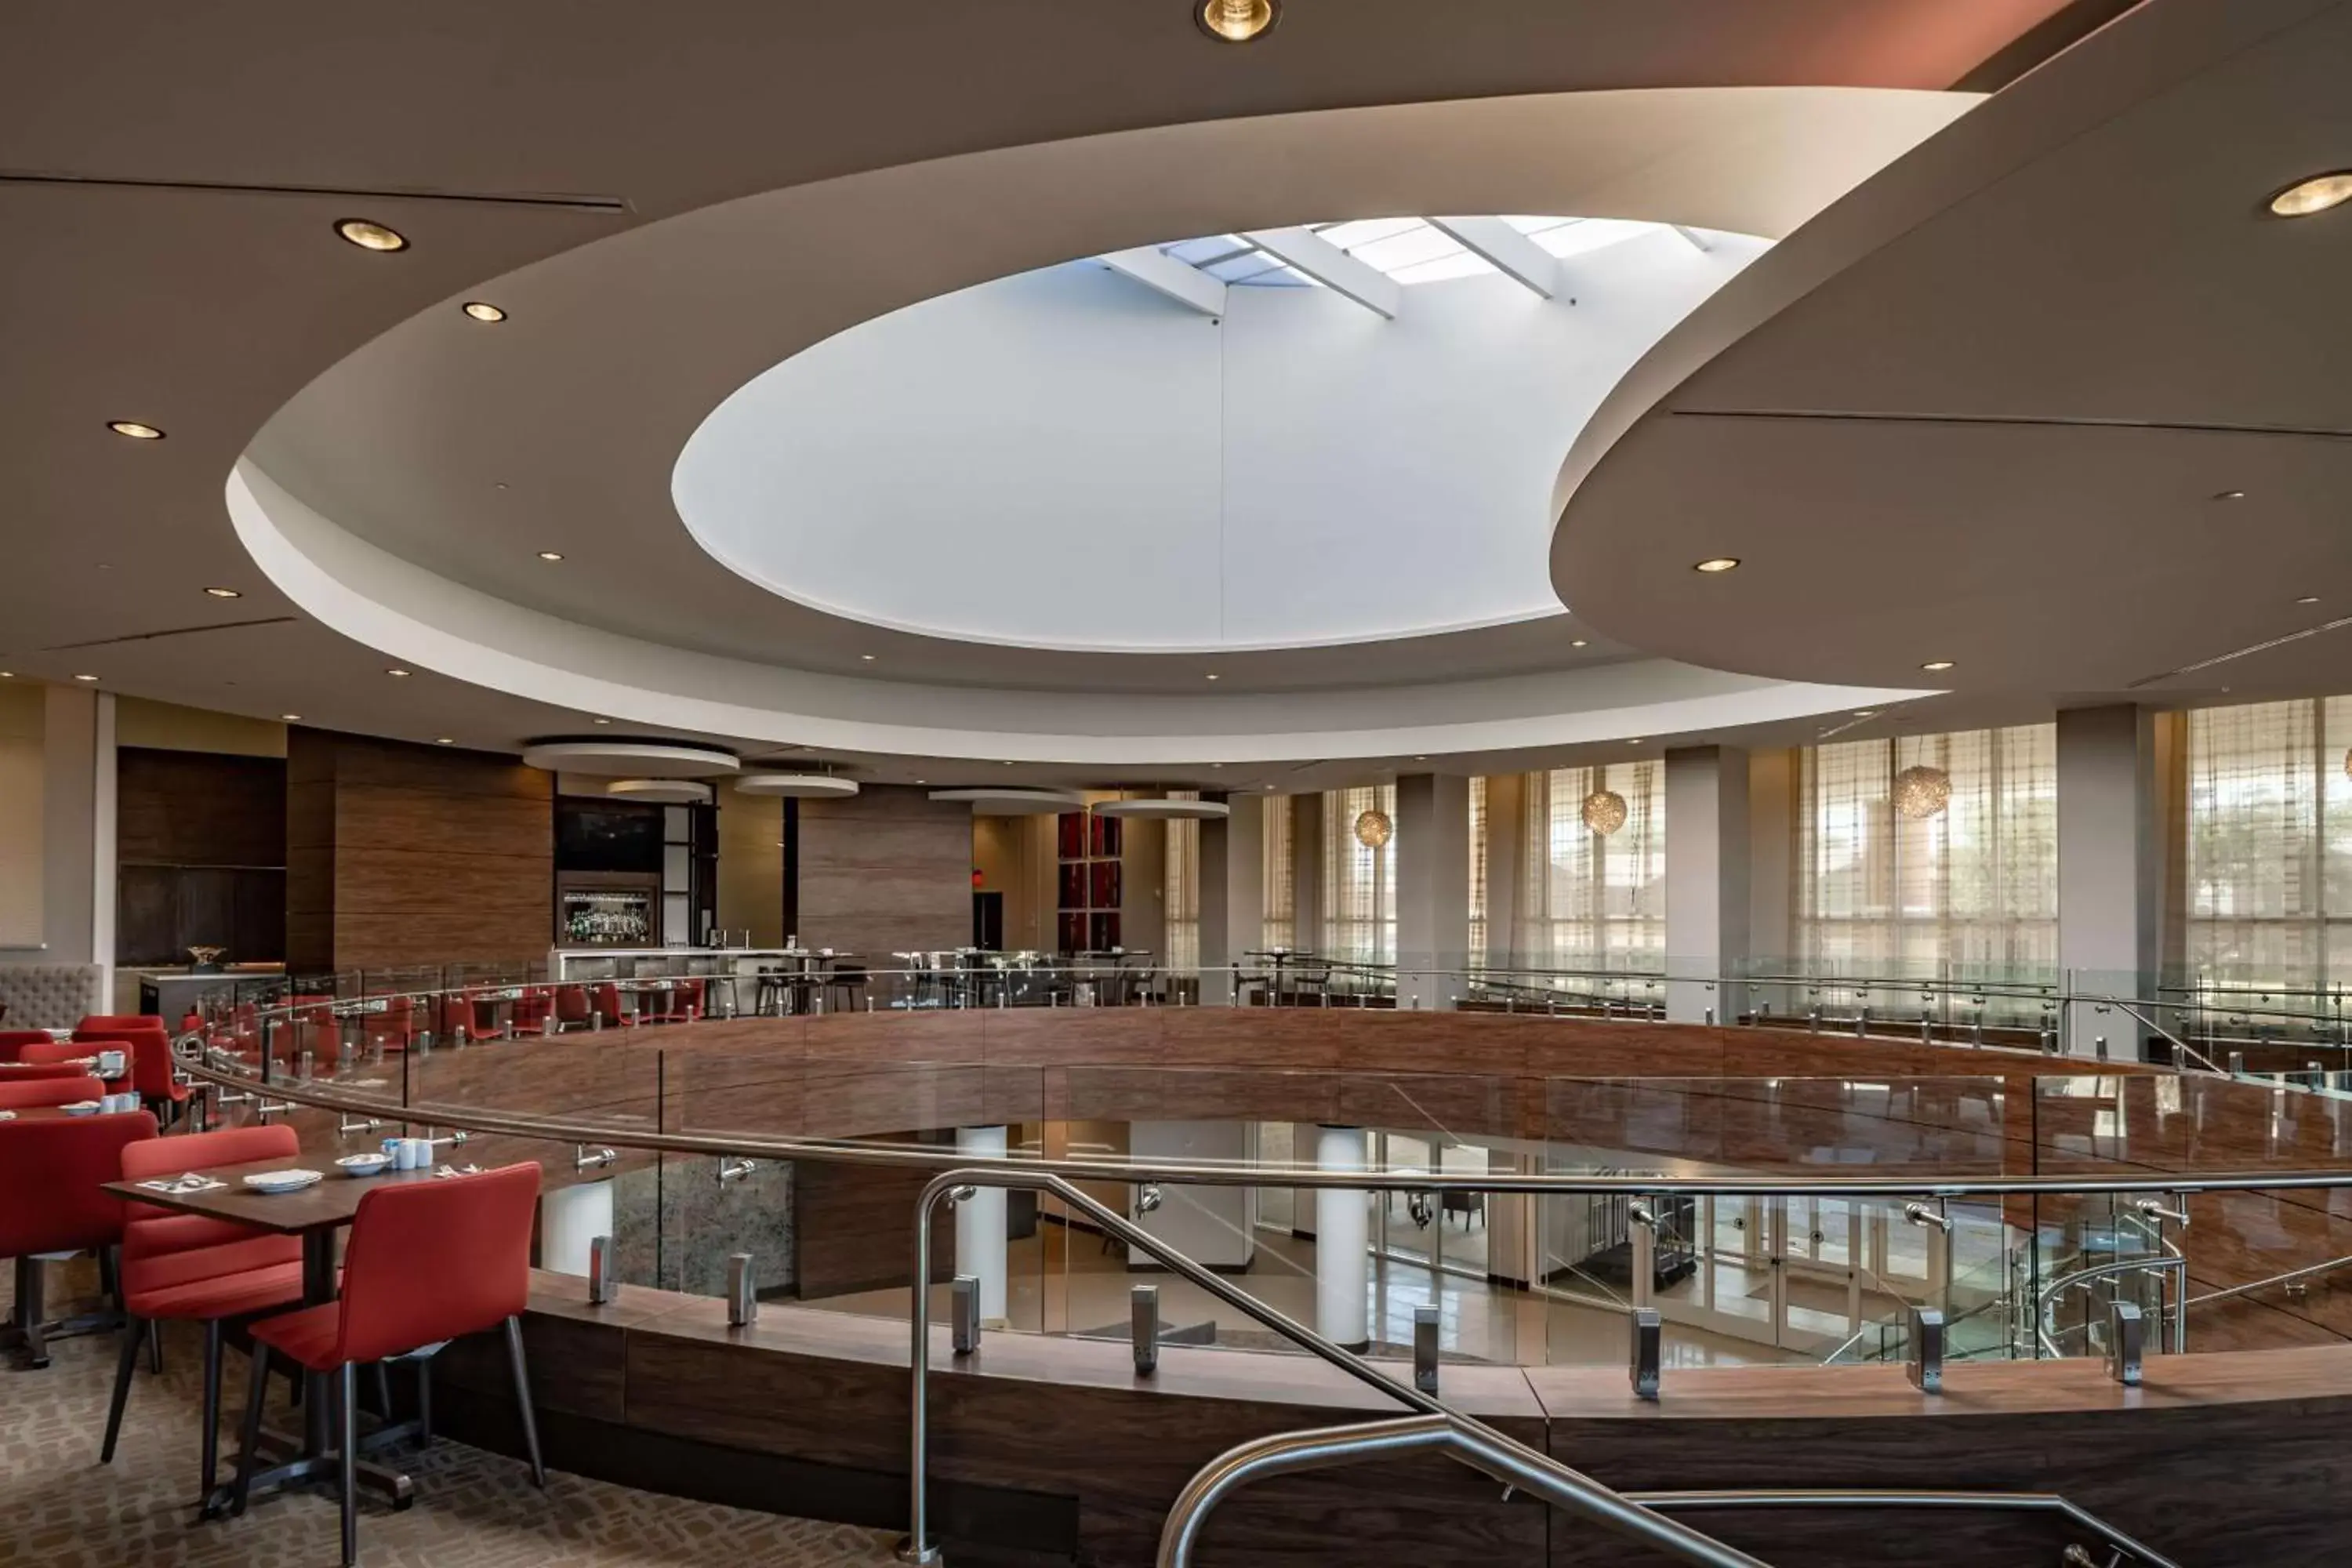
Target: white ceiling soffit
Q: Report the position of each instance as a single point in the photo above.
(1166, 810)
(659, 792)
(2053, 398)
(645, 758)
(797, 786)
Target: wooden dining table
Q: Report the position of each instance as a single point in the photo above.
(316, 1214)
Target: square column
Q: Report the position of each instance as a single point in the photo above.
(2110, 871)
(1233, 893)
(1706, 881)
(77, 829)
(1432, 872)
(1507, 871)
(1307, 872)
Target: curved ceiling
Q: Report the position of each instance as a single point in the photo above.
(1070, 458)
(170, 193)
(2055, 399)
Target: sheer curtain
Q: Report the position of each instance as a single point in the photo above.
(1280, 926)
(1359, 881)
(1590, 901)
(1182, 890)
(1477, 873)
(1972, 890)
(2269, 863)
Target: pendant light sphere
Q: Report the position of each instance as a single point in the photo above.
(1373, 829)
(1921, 793)
(1604, 812)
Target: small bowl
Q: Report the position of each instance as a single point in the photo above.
(80, 1107)
(364, 1165)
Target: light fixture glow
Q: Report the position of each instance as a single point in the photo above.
(1373, 829)
(1237, 21)
(1603, 812)
(91, 677)
(397, 673)
(483, 310)
(866, 656)
(292, 718)
(444, 740)
(1921, 792)
(1937, 665)
(2308, 599)
(600, 720)
(1865, 713)
(2230, 495)
(1580, 642)
(551, 555)
(1214, 677)
(225, 593)
(369, 235)
(1715, 563)
(136, 430)
(2315, 195)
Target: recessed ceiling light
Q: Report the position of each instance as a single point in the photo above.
(444, 740)
(2229, 495)
(225, 593)
(866, 656)
(483, 310)
(1865, 713)
(1214, 677)
(2315, 195)
(2308, 599)
(1237, 21)
(922, 781)
(136, 430)
(292, 718)
(7, 675)
(1938, 664)
(600, 720)
(397, 673)
(1216, 764)
(1580, 642)
(369, 235)
(85, 678)
(551, 555)
(1420, 759)
(1715, 563)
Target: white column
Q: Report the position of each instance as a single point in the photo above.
(2109, 868)
(1233, 893)
(1342, 1254)
(1432, 871)
(77, 829)
(569, 1219)
(1707, 879)
(979, 1225)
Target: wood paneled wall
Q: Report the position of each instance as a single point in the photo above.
(201, 839)
(413, 855)
(888, 871)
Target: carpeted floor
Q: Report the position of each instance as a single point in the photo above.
(60, 1509)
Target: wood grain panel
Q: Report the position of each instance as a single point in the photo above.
(886, 871)
(853, 1225)
(199, 808)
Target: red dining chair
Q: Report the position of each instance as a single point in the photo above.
(314, 1029)
(571, 1008)
(533, 1008)
(681, 1003)
(53, 1172)
(26, 1072)
(427, 1262)
(180, 1267)
(64, 1057)
(606, 999)
(150, 1050)
(25, 1091)
(14, 1041)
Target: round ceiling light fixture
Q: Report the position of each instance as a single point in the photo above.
(1238, 21)
(1937, 666)
(1921, 792)
(551, 555)
(660, 792)
(1010, 800)
(483, 310)
(1166, 810)
(2315, 195)
(1373, 829)
(225, 593)
(640, 759)
(1605, 811)
(797, 786)
(369, 235)
(1714, 564)
(136, 430)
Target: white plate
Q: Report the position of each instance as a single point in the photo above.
(364, 1165)
(80, 1107)
(282, 1181)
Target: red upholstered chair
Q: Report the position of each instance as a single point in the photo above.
(56, 1066)
(27, 1090)
(68, 1056)
(427, 1262)
(150, 1049)
(52, 1173)
(533, 1008)
(606, 1000)
(681, 1003)
(118, 1021)
(192, 1268)
(14, 1041)
(571, 1008)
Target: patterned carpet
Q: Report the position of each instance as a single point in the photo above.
(60, 1509)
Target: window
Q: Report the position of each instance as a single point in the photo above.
(1359, 881)
(1595, 902)
(2269, 865)
(1971, 890)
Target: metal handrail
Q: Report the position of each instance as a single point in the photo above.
(1289, 1453)
(1512, 1461)
(2172, 1263)
(1999, 1503)
(2289, 1277)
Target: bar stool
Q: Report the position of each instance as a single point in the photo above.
(426, 1263)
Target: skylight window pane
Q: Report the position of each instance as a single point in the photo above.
(1348, 237)
(1422, 245)
(1208, 248)
(1461, 263)
(1237, 268)
(1592, 234)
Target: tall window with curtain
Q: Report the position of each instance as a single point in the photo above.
(1359, 879)
(1593, 899)
(1972, 888)
(1280, 925)
(1477, 873)
(1180, 890)
(2269, 862)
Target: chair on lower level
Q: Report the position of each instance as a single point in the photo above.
(426, 1263)
(53, 1172)
(572, 1010)
(843, 986)
(606, 1000)
(681, 1003)
(191, 1268)
(29, 1088)
(534, 1009)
